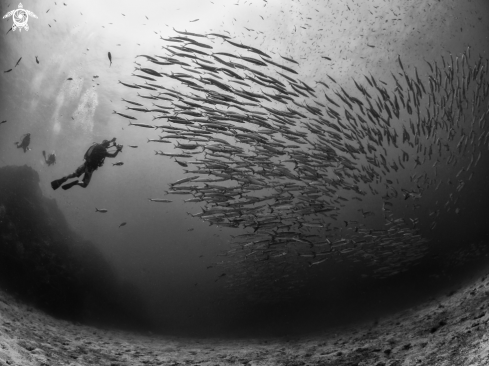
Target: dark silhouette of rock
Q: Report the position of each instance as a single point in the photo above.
(43, 262)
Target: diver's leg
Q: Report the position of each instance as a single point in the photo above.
(56, 183)
(84, 183)
(81, 169)
(86, 179)
(69, 185)
(69, 176)
(78, 172)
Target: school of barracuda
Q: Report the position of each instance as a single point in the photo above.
(266, 152)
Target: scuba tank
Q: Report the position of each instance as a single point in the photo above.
(95, 155)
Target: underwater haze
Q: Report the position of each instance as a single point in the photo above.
(335, 152)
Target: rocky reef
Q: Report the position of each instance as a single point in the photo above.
(45, 264)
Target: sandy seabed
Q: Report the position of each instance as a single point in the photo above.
(450, 330)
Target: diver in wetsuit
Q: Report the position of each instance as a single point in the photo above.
(25, 141)
(50, 159)
(94, 158)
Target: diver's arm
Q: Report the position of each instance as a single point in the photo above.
(112, 155)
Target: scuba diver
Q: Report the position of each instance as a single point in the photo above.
(94, 158)
(51, 159)
(25, 141)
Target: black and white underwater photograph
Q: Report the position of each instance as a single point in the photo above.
(244, 182)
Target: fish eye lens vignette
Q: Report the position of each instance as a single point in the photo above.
(304, 177)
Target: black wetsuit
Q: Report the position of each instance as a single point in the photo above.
(94, 158)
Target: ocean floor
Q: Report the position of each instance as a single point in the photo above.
(450, 330)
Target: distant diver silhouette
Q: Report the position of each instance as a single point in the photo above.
(24, 143)
(50, 159)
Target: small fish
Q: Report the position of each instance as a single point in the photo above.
(400, 63)
(3, 122)
(129, 85)
(193, 20)
(119, 163)
(110, 59)
(181, 163)
(184, 180)
(327, 58)
(159, 200)
(128, 101)
(47, 11)
(289, 59)
(69, 79)
(413, 195)
(37, 60)
(193, 200)
(8, 70)
(123, 224)
(220, 276)
(123, 115)
(8, 30)
(103, 210)
(133, 146)
(18, 62)
(140, 124)
(95, 76)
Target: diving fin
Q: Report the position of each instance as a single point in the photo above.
(56, 183)
(69, 185)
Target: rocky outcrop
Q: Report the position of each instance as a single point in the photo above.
(43, 262)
